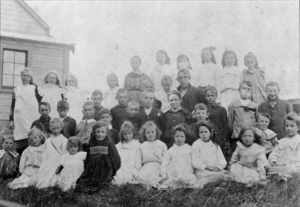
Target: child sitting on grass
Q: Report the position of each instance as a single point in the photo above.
(152, 153)
(268, 137)
(31, 160)
(84, 128)
(178, 162)
(55, 147)
(102, 162)
(9, 158)
(128, 149)
(207, 156)
(285, 158)
(70, 166)
(249, 160)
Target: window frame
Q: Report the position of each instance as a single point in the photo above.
(9, 88)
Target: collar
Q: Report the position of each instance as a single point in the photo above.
(187, 88)
(88, 121)
(250, 105)
(214, 105)
(273, 103)
(176, 110)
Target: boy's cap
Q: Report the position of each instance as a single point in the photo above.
(62, 105)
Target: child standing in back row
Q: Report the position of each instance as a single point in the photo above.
(110, 95)
(133, 80)
(256, 76)
(228, 78)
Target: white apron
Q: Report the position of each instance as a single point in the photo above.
(26, 110)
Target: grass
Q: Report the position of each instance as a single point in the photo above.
(221, 193)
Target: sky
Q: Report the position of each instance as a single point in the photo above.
(108, 33)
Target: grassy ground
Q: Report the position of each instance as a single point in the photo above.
(222, 193)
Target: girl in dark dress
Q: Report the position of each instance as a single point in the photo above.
(102, 161)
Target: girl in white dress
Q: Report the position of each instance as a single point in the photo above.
(128, 149)
(207, 74)
(73, 97)
(55, 147)
(70, 166)
(152, 153)
(207, 156)
(285, 158)
(228, 78)
(24, 108)
(183, 62)
(163, 67)
(110, 99)
(177, 163)
(31, 160)
(248, 161)
(52, 92)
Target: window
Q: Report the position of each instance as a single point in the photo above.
(14, 61)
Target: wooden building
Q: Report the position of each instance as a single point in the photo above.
(25, 41)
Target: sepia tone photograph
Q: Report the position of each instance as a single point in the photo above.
(149, 103)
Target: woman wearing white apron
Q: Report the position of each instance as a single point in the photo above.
(24, 109)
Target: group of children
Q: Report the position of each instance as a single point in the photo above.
(151, 134)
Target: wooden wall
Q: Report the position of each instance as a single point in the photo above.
(42, 58)
(14, 18)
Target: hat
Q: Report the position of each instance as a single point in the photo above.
(62, 105)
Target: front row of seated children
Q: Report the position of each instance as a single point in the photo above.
(59, 162)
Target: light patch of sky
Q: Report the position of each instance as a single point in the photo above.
(107, 34)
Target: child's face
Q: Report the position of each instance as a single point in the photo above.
(206, 55)
(183, 63)
(166, 86)
(150, 133)
(62, 112)
(26, 77)
(183, 79)
(201, 115)
(128, 135)
(106, 118)
(100, 133)
(36, 139)
(204, 134)
(55, 129)
(133, 110)
(291, 128)
(71, 81)
(88, 112)
(97, 99)
(272, 92)
(122, 99)
(8, 144)
(135, 64)
(174, 101)
(250, 63)
(263, 122)
(161, 58)
(248, 138)
(112, 82)
(73, 149)
(210, 97)
(51, 79)
(179, 137)
(245, 92)
(44, 111)
(229, 60)
(148, 100)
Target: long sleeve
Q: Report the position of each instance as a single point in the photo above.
(230, 116)
(162, 167)
(235, 156)
(138, 163)
(261, 163)
(224, 121)
(289, 108)
(274, 154)
(12, 107)
(165, 164)
(115, 158)
(23, 160)
(221, 159)
(196, 161)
